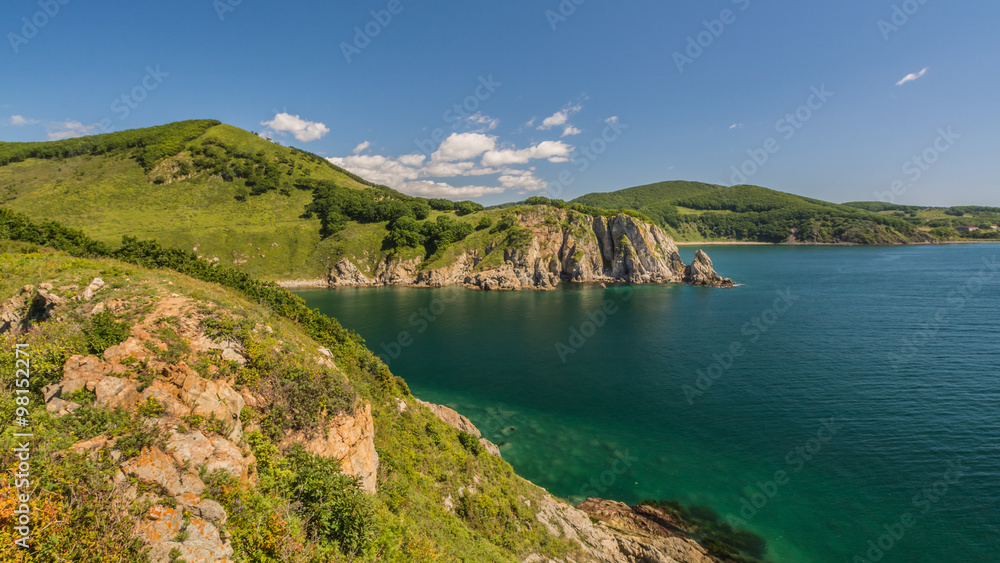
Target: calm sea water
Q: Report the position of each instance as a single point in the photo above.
(844, 403)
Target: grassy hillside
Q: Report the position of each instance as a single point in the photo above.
(942, 222)
(274, 212)
(219, 191)
(422, 460)
(697, 212)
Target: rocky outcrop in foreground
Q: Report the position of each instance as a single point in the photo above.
(558, 245)
(611, 540)
(164, 478)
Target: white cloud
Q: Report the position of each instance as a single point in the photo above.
(378, 169)
(523, 181)
(304, 131)
(912, 76)
(461, 155)
(736, 126)
(60, 130)
(530, 123)
(361, 148)
(559, 118)
(463, 146)
(427, 188)
(611, 120)
(571, 131)
(412, 159)
(20, 120)
(553, 151)
(484, 122)
(447, 169)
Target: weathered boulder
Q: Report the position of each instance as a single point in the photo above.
(166, 394)
(211, 399)
(451, 417)
(159, 531)
(646, 533)
(60, 407)
(82, 372)
(31, 305)
(92, 289)
(114, 392)
(132, 347)
(203, 508)
(154, 467)
(195, 449)
(604, 542)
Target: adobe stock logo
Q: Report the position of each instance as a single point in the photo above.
(31, 27)
(364, 35)
(787, 126)
(901, 14)
(698, 44)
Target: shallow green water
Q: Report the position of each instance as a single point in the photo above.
(899, 346)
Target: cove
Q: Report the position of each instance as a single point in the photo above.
(830, 432)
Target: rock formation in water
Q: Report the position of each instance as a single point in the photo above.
(701, 272)
(560, 245)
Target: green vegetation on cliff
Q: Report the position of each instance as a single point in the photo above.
(693, 211)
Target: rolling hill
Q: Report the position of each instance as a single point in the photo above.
(228, 195)
(693, 211)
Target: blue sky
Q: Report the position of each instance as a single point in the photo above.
(560, 98)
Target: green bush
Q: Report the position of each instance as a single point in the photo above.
(470, 443)
(334, 505)
(152, 408)
(103, 331)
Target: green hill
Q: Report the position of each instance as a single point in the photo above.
(695, 211)
(945, 223)
(230, 196)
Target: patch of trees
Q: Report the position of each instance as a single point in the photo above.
(148, 146)
(335, 205)
(810, 224)
(586, 209)
(435, 236)
(975, 210)
(876, 206)
(459, 207)
(261, 173)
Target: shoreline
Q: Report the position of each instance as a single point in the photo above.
(720, 243)
(321, 283)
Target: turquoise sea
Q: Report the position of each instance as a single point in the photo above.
(843, 403)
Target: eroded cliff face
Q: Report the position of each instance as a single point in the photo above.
(562, 246)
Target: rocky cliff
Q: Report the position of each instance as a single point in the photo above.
(554, 245)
